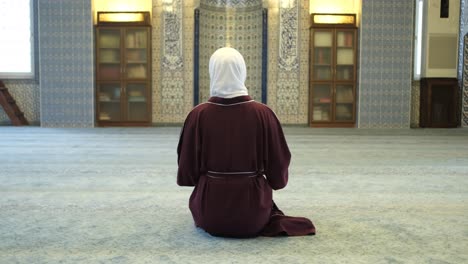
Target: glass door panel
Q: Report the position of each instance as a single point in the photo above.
(344, 112)
(136, 50)
(136, 71)
(109, 54)
(109, 102)
(136, 38)
(137, 102)
(345, 39)
(345, 72)
(345, 55)
(109, 38)
(344, 98)
(344, 93)
(322, 102)
(323, 55)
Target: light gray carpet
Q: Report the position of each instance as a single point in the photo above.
(108, 195)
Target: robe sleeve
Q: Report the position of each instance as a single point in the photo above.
(188, 153)
(277, 154)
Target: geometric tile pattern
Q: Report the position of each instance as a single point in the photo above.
(231, 3)
(172, 15)
(172, 60)
(66, 63)
(464, 119)
(288, 73)
(385, 89)
(173, 83)
(26, 95)
(463, 62)
(288, 32)
(157, 36)
(462, 33)
(287, 91)
(272, 55)
(304, 21)
(385, 64)
(415, 98)
(237, 24)
(288, 52)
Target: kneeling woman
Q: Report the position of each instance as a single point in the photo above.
(233, 150)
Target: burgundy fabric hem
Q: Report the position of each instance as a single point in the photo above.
(281, 225)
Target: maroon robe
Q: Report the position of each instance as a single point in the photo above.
(234, 152)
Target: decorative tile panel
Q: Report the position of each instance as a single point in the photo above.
(66, 63)
(273, 48)
(291, 74)
(172, 51)
(385, 64)
(231, 25)
(231, 3)
(463, 62)
(464, 116)
(304, 32)
(463, 32)
(172, 89)
(173, 20)
(415, 103)
(26, 95)
(288, 37)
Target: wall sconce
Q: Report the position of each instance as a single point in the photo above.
(326, 19)
(287, 3)
(123, 17)
(167, 6)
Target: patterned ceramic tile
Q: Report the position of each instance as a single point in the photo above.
(172, 90)
(173, 21)
(304, 24)
(463, 62)
(385, 92)
(231, 3)
(173, 77)
(385, 64)
(234, 27)
(415, 103)
(287, 90)
(288, 37)
(291, 80)
(66, 63)
(463, 32)
(464, 115)
(272, 53)
(26, 95)
(156, 47)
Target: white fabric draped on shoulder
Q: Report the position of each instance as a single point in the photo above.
(227, 73)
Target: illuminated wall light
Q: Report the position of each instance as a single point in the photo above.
(336, 7)
(287, 3)
(167, 6)
(333, 19)
(121, 6)
(121, 17)
(333, 6)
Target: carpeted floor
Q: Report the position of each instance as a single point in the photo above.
(108, 195)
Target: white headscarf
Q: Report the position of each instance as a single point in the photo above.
(227, 73)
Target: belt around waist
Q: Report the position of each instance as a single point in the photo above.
(219, 174)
